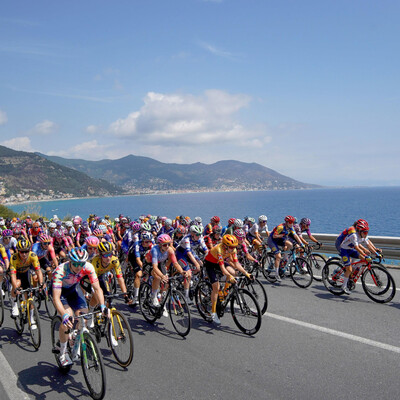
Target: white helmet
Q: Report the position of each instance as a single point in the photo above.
(238, 223)
(68, 224)
(262, 218)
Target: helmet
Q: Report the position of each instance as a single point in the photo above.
(78, 255)
(239, 233)
(230, 241)
(198, 220)
(147, 236)
(251, 220)
(180, 229)
(36, 225)
(217, 229)
(290, 220)
(44, 238)
(135, 226)
(146, 226)
(362, 225)
(17, 230)
(58, 234)
(7, 232)
(92, 241)
(238, 223)
(164, 238)
(52, 225)
(305, 221)
(68, 224)
(262, 218)
(116, 219)
(98, 232)
(103, 228)
(23, 244)
(2, 223)
(231, 221)
(168, 222)
(105, 247)
(58, 223)
(215, 219)
(198, 230)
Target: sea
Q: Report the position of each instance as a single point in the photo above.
(330, 210)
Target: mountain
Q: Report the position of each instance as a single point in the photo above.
(29, 174)
(137, 173)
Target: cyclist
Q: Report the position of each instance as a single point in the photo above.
(242, 249)
(9, 242)
(256, 230)
(35, 231)
(159, 256)
(68, 297)
(278, 238)
(352, 247)
(304, 226)
(4, 264)
(178, 235)
(45, 253)
(20, 264)
(214, 221)
(214, 238)
(228, 229)
(215, 266)
(91, 243)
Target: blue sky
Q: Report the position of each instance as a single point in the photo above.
(308, 88)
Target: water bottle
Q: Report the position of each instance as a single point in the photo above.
(221, 295)
(75, 351)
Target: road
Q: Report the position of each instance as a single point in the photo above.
(311, 345)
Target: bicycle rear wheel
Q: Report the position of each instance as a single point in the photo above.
(378, 284)
(257, 289)
(179, 312)
(246, 312)
(145, 303)
(317, 262)
(48, 301)
(56, 323)
(20, 320)
(34, 323)
(268, 268)
(203, 299)
(120, 338)
(93, 367)
(332, 277)
(301, 272)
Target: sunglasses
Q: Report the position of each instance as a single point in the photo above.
(146, 241)
(91, 248)
(165, 245)
(23, 251)
(78, 264)
(7, 237)
(107, 255)
(45, 243)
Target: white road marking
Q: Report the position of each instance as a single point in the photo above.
(355, 338)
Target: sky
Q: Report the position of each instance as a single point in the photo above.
(308, 88)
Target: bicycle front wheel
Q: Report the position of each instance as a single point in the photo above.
(20, 319)
(34, 323)
(203, 299)
(378, 284)
(257, 289)
(120, 338)
(179, 313)
(56, 323)
(332, 277)
(317, 262)
(268, 268)
(145, 302)
(48, 302)
(246, 312)
(301, 272)
(93, 367)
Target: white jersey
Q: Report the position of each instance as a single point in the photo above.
(11, 244)
(353, 240)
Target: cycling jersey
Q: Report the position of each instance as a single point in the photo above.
(100, 269)
(219, 253)
(63, 277)
(155, 255)
(43, 252)
(3, 253)
(343, 235)
(18, 266)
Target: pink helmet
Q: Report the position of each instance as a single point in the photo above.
(239, 233)
(98, 232)
(58, 234)
(44, 238)
(135, 226)
(164, 238)
(92, 241)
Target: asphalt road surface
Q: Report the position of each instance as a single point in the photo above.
(311, 345)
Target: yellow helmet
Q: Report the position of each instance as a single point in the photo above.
(23, 244)
(230, 241)
(105, 247)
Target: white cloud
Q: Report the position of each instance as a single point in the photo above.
(22, 143)
(184, 119)
(45, 127)
(3, 117)
(93, 129)
(90, 150)
(217, 51)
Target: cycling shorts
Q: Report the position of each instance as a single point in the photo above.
(24, 277)
(347, 254)
(213, 271)
(73, 297)
(275, 245)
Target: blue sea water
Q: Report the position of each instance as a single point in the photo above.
(330, 210)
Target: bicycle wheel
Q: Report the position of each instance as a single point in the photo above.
(246, 312)
(256, 288)
(56, 323)
(120, 338)
(179, 312)
(20, 320)
(301, 272)
(203, 299)
(268, 268)
(93, 367)
(378, 284)
(317, 262)
(48, 301)
(34, 323)
(332, 277)
(113, 283)
(1, 310)
(145, 303)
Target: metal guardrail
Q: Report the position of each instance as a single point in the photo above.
(389, 245)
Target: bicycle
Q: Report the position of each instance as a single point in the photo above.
(244, 307)
(84, 346)
(172, 298)
(1, 309)
(28, 314)
(378, 284)
(316, 261)
(117, 332)
(256, 288)
(294, 266)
